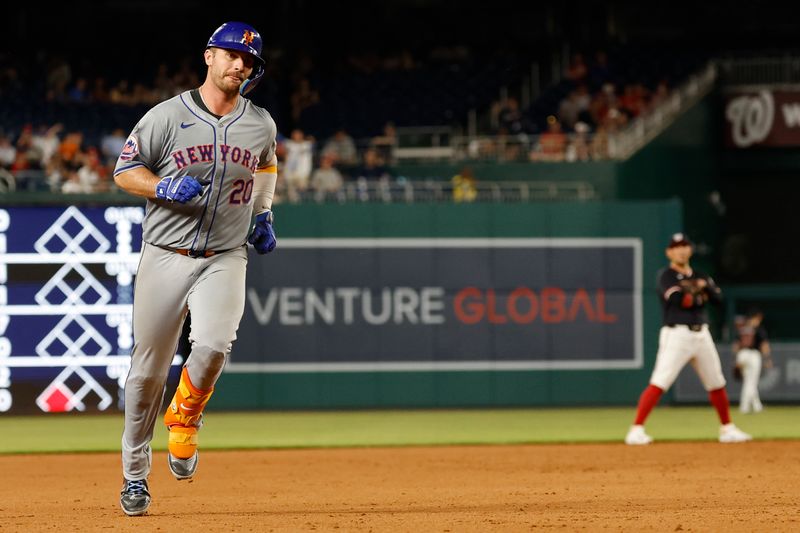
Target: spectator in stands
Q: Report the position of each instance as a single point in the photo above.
(298, 164)
(569, 109)
(79, 93)
(21, 163)
(59, 74)
(163, 84)
(302, 98)
(464, 186)
(25, 139)
(142, 95)
(8, 153)
(552, 143)
(598, 148)
(100, 94)
(91, 172)
(511, 119)
(9, 81)
(374, 173)
(659, 96)
(584, 102)
(70, 148)
(601, 103)
(578, 148)
(374, 167)
(120, 93)
(577, 70)
(385, 144)
(73, 185)
(615, 120)
(599, 71)
(111, 145)
(47, 142)
(341, 148)
(29, 157)
(402, 60)
(633, 100)
(326, 180)
(509, 147)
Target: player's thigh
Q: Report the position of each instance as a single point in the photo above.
(706, 362)
(673, 353)
(216, 301)
(748, 357)
(159, 301)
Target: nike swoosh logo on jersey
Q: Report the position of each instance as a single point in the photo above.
(185, 125)
(187, 408)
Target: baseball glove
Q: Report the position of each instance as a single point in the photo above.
(737, 373)
(692, 286)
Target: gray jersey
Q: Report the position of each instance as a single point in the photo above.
(178, 137)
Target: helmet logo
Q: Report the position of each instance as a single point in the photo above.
(247, 37)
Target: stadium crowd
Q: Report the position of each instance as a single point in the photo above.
(571, 121)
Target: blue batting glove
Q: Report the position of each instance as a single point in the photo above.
(263, 236)
(178, 189)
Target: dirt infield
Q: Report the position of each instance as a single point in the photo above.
(664, 487)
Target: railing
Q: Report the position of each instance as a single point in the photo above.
(759, 70)
(645, 128)
(404, 191)
(564, 147)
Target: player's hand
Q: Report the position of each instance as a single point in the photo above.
(263, 236)
(693, 286)
(178, 189)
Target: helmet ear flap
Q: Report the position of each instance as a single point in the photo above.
(250, 83)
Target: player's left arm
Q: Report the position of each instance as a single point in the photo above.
(262, 237)
(711, 290)
(264, 186)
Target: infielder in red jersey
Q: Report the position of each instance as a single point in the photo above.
(685, 338)
(205, 161)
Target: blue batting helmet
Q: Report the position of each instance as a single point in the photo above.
(244, 38)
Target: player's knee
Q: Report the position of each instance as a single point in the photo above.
(206, 360)
(142, 388)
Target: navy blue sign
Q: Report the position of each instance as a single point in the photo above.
(66, 289)
(448, 304)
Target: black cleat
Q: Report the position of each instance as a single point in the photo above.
(134, 497)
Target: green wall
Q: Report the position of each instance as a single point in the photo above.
(601, 174)
(652, 221)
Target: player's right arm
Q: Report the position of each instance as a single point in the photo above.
(669, 287)
(141, 182)
(142, 151)
(138, 181)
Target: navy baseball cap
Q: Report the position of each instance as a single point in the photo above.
(679, 239)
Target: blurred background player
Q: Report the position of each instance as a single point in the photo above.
(752, 349)
(684, 338)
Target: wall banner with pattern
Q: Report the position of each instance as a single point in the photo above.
(66, 289)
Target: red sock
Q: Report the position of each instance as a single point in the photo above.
(647, 401)
(719, 399)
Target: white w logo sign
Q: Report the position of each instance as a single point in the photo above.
(751, 118)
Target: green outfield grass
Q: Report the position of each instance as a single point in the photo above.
(97, 433)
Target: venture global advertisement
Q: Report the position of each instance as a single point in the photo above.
(442, 304)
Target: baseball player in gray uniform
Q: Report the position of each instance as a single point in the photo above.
(205, 161)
